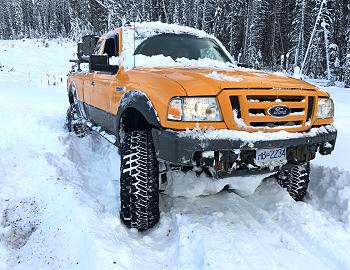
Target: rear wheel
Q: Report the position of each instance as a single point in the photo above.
(139, 181)
(295, 180)
(73, 122)
(74, 117)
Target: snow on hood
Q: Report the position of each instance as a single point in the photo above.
(222, 77)
(211, 81)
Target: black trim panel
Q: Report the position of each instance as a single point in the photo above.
(102, 118)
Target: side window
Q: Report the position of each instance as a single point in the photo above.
(98, 46)
(208, 53)
(112, 46)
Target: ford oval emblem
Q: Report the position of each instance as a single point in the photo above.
(279, 111)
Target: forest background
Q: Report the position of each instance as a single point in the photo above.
(276, 35)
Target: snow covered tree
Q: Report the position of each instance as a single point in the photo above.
(299, 31)
(262, 31)
(254, 38)
(347, 57)
(17, 19)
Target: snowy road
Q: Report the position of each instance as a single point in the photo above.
(59, 195)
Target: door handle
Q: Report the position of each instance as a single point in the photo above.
(93, 83)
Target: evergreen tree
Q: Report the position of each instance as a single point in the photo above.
(273, 34)
(347, 57)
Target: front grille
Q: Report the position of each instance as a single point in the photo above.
(235, 106)
(252, 109)
(272, 98)
(276, 124)
(310, 108)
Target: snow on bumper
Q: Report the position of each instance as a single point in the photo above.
(178, 147)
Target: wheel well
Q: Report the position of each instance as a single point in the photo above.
(133, 120)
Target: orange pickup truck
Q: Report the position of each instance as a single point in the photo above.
(171, 96)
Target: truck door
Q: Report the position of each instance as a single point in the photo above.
(103, 87)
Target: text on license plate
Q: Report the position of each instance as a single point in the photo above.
(265, 155)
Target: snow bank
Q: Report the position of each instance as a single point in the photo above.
(190, 185)
(330, 190)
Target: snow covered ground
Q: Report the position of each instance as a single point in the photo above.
(59, 195)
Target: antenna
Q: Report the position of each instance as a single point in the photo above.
(138, 17)
(134, 43)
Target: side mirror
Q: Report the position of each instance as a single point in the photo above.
(86, 48)
(99, 62)
(89, 44)
(80, 51)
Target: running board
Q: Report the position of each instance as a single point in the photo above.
(98, 129)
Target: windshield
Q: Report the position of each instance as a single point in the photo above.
(182, 46)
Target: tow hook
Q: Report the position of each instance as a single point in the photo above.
(327, 148)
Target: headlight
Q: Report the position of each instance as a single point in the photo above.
(194, 109)
(325, 108)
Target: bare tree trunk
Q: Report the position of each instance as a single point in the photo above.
(217, 17)
(231, 35)
(205, 3)
(165, 12)
(313, 33)
(247, 31)
(347, 60)
(273, 55)
(326, 43)
(299, 53)
(196, 17)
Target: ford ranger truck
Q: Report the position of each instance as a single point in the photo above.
(172, 98)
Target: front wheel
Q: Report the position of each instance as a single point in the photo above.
(139, 181)
(295, 180)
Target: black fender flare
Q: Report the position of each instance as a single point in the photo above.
(73, 91)
(139, 101)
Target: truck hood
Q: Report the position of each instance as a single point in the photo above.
(209, 81)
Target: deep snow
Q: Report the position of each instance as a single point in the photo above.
(59, 195)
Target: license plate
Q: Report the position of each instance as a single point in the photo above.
(266, 156)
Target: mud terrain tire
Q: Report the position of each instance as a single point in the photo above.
(282, 178)
(296, 180)
(139, 181)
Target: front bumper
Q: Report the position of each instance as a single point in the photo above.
(179, 147)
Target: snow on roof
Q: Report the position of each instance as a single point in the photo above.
(147, 29)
